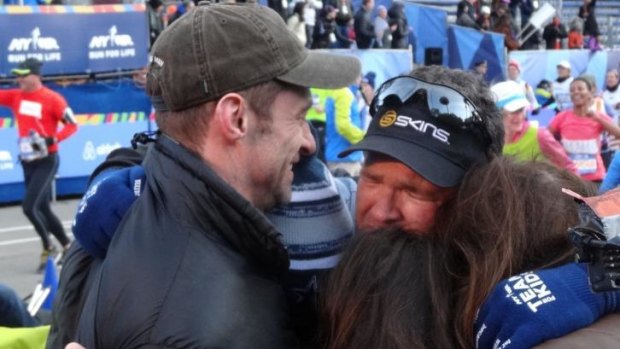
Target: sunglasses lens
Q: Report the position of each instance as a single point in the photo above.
(443, 101)
(400, 89)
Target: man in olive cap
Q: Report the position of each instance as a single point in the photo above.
(195, 263)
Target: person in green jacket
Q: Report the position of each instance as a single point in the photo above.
(522, 139)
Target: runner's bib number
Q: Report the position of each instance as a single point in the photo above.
(585, 163)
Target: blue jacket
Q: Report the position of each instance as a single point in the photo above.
(612, 179)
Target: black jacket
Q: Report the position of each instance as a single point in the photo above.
(193, 265)
(364, 29)
(400, 37)
(552, 34)
(590, 25)
(323, 29)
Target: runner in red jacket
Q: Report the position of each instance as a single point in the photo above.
(38, 110)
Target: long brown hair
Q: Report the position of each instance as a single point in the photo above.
(380, 296)
(507, 218)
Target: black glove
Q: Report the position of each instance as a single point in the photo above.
(50, 140)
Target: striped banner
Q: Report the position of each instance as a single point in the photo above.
(94, 118)
(60, 9)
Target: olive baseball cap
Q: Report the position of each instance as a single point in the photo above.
(220, 48)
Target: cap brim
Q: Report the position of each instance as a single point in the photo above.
(428, 164)
(20, 72)
(516, 105)
(324, 70)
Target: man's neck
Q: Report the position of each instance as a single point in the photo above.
(613, 88)
(561, 79)
(580, 110)
(32, 87)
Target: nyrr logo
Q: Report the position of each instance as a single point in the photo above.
(112, 46)
(112, 40)
(36, 42)
(423, 127)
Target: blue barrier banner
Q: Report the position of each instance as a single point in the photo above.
(468, 46)
(108, 114)
(10, 169)
(430, 26)
(539, 65)
(75, 42)
(82, 153)
(613, 59)
(384, 63)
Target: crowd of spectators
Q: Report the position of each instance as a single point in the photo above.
(319, 24)
(337, 24)
(511, 18)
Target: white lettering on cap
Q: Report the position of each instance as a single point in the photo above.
(390, 118)
(423, 127)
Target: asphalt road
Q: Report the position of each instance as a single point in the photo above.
(20, 246)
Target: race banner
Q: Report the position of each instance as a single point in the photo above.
(74, 39)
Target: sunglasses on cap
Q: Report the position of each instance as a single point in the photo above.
(444, 103)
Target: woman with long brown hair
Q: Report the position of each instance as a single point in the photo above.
(507, 218)
(381, 295)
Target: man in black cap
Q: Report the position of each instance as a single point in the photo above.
(195, 263)
(427, 131)
(38, 111)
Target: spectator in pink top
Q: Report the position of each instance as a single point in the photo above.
(580, 130)
(523, 140)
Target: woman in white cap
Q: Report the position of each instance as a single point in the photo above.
(523, 140)
(561, 85)
(514, 74)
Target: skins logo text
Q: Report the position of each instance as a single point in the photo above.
(390, 118)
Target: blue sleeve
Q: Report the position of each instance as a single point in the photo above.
(612, 179)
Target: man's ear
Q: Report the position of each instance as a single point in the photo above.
(231, 114)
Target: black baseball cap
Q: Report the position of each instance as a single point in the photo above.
(220, 48)
(440, 152)
(27, 67)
